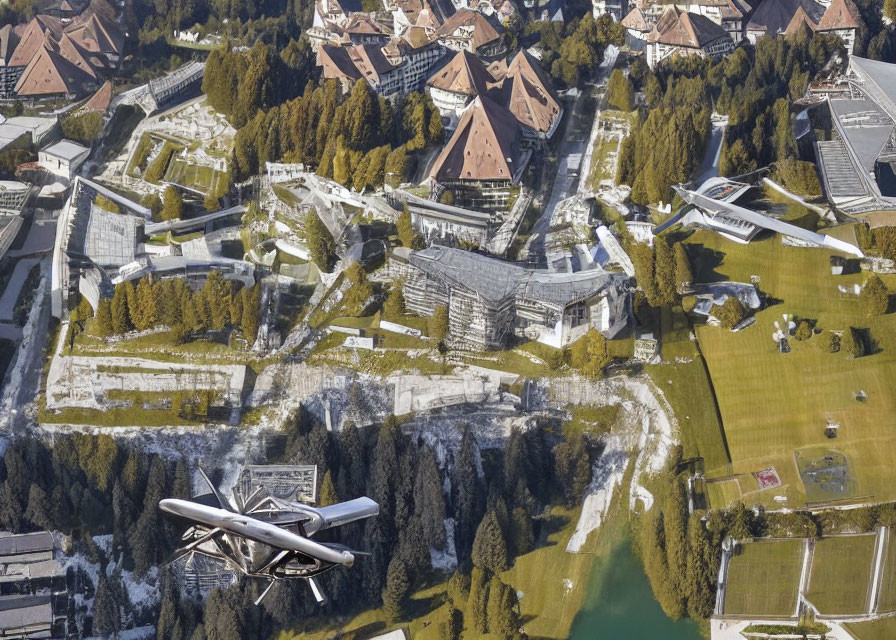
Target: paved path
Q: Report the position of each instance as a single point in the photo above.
(709, 168)
(574, 142)
(11, 295)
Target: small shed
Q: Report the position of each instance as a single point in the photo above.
(63, 158)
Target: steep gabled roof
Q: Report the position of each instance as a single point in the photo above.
(361, 23)
(33, 39)
(8, 42)
(635, 20)
(485, 145)
(688, 30)
(70, 50)
(464, 74)
(49, 73)
(527, 94)
(336, 63)
(100, 100)
(772, 16)
(369, 60)
(800, 18)
(96, 33)
(841, 14)
(483, 31)
(666, 22)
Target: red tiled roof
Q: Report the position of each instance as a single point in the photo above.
(842, 14)
(483, 31)
(800, 18)
(100, 100)
(49, 73)
(464, 74)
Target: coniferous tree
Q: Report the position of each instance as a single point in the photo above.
(572, 466)
(250, 316)
(106, 611)
(503, 605)
(428, 500)
(327, 491)
(39, 508)
(438, 326)
(664, 272)
(477, 605)
(700, 576)
(620, 92)
(146, 305)
(490, 546)
(675, 533)
(468, 504)
(172, 204)
(320, 242)
(875, 296)
(103, 319)
(405, 227)
(397, 591)
(683, 276)
(393, 307)
(121, 321)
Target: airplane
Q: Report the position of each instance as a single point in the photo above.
(264, 537)
(712, 206)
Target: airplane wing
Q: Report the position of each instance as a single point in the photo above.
(339, 514)
(767, 222)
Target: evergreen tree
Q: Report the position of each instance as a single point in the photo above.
(503, 610)
(428, 500)
(320, 242)
(393, 307)
(146, 305)
(106, 612)
(396, 166)
(103, 319)
(250, 316)
(173, 204)
(572, 466)
(121, 321)
(405, 227)
(700, 576)
(664, 272)
(468, 503)
(327, 491)
(39, 508)
(741, 521)
(397, 591)
(453, 625)
(852, 344)
(477, 605)
(683, 276)
(490, 546)
(675, 526)
(438, 325)
(620, 92)
(874, 296)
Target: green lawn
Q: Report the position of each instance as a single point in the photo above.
(877, 630)
(763, 578)
(841, 574)
(800, 391)
(887, 597)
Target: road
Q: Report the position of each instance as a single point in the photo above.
(576, 132)
(709, 168)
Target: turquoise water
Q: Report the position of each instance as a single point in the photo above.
(620, 605)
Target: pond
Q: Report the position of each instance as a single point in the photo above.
(620, 604)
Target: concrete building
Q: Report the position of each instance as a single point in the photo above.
(13, 195)
(856, 165)
(483, 159)
(63, 158)
(492, 303)
(526, 92)
(680, 33)
(180, 85)
(95, 249)
(32, 587)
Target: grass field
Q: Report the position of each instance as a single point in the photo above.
(877, 630)
(763, 578)
(841, 574)
(800, 391)
(887, 598)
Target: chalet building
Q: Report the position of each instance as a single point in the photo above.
(688, 34)
(637, 28)
(50, 57)
(492, 303)
(471, 31)
(772, 17)
(842, 19)
(484, 158)
(454, 86)
(526, 91)
(392, 70)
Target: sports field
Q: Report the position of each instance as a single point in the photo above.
(884, 629)
(763, 578)
(841, 574)
(773, 404)
(886, 600)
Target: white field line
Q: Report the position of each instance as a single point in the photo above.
(803, 585)
(879, 551)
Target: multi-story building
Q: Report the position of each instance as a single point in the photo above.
(457, 84)
(492, 303)
(841, 19)
(689, 34)
(470, 30)
(484, 158)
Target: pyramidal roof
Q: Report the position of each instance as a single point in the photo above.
(485, 145)
(100, 100)
(49, 73)
(799, 18)
(773, 16)
(527, 94)
(464, 74)
(33, 38)
(689, 30)
(483, 31)
(72, 52)
(635, 20)
(842, 14)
